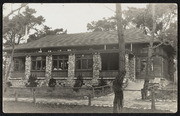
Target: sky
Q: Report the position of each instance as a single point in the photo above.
(71, 16)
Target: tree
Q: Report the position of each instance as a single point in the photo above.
(104, 24)
(158, 21)
(14, 30)
(44, 32)
(118, 82)
(23, 23)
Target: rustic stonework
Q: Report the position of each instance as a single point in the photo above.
(71, 70)
(96, 68)
(48, 68)
(8, 59)
(18, 83)
(127, 65)
(132, 68)
(27, 67)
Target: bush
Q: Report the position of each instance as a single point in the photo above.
(32, 81)
(8, 84)
(78, 83)
(52, 82)
(102, 82)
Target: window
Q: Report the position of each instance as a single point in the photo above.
(38, 63)
(110, 61)
(19, 64)
(84, 62)
(144, 50)
(60, 62)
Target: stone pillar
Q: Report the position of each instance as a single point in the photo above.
(96, 68)
(127, 65)
(7, 64)
(48, 67)
(71, 70)
(27, 67)
(132, 69)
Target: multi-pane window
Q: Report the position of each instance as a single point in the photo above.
(60, 62)
(38, 63)
(84, 62)
(19, 64)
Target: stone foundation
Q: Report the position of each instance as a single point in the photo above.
(132, 69)
(27, 67)
(127, 65)
(96, 68)
(48, 68)
(71, 70)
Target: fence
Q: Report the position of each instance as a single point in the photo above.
(51, 92)
(88, 92)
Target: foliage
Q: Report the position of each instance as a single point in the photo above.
(52, 82)
(32, 81)
(14, 28)
(78, 83)
(165, 19)
(9, 84)
(44, 32)
(104, 24)
(102, 82)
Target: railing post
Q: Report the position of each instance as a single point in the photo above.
(89, 100)
(153, 100)
(16, 96)
(34, 96)
(103, 90)
(111, 87)
(93, 91)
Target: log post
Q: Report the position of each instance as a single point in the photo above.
(103, 91)
(153, 100)
(34, 96)
(93, 91)
(16, 96)
(89, 100)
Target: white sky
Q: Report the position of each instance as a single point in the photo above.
(72, 16)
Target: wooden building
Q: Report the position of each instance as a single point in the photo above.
(92, 54)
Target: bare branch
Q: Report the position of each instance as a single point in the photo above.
(18, 9)
(157, 45)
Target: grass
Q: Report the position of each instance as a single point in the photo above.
(57, 92)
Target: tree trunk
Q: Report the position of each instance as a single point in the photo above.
(150, 54)
(118, 82)
(9, 69)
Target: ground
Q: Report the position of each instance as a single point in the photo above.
(132, 100)
(23, 107)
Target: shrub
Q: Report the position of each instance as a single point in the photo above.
(9, 84)
(52, 82)
(102, 82)
(78, 83)
(32, 81)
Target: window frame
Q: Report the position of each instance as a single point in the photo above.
(63, 59)
(87, 58)
(18, 63)
(34, 59)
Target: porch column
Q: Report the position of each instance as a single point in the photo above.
(48, 68)
(27, 67)
(127, 65)
(7, 64)
(71, 70)
(132, 70)
(96, 68)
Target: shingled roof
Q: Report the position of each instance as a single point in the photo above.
(85, 39)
